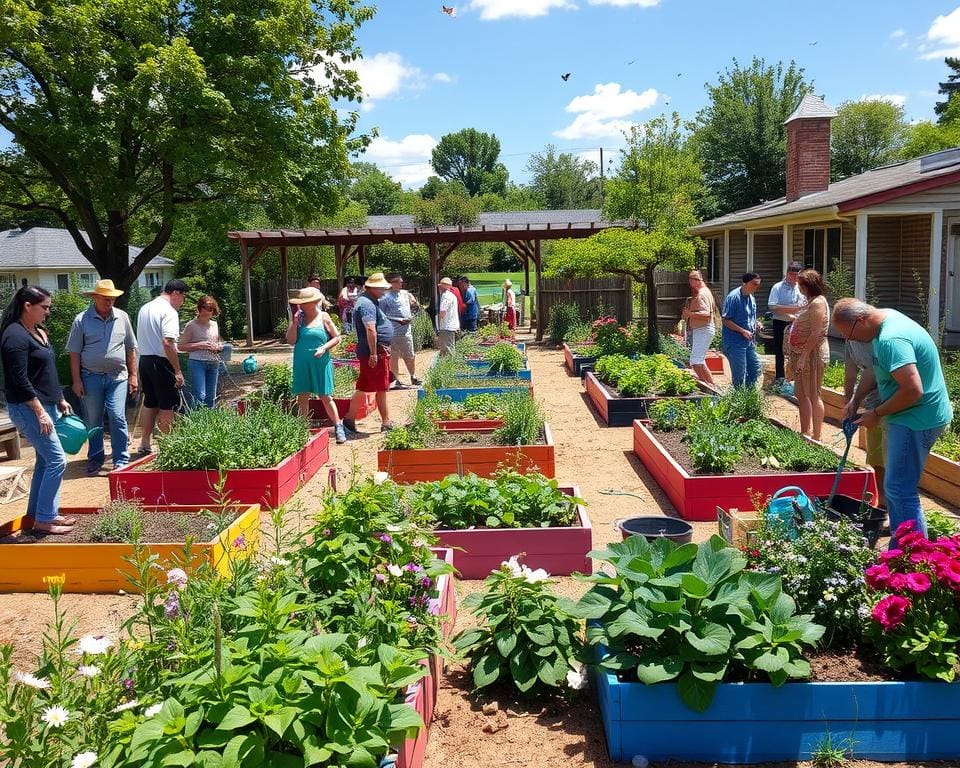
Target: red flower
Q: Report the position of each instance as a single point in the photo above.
(918, 583)
(877, 576)
(890, 611)
(890, 554)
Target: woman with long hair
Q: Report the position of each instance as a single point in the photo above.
(35, 401)
(810, 351)
(698, 312)
(201, 339)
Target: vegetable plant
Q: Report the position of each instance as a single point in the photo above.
(277, 382)
(692, 613)
(504, 359)
(648, 375)
(523, 420)
(527, 635)
(833, 375)
(492, 332)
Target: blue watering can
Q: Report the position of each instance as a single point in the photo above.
(787, 505)
(249, 364)
(73, 433)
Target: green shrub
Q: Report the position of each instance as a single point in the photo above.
(443, 372)
(120, 521)
(504, 359)
(563, 317)
(522, 420)
(64, 307)
(424, 335)
(578, 333)
(277, 382)
(833, 375)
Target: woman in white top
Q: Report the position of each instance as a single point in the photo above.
(510, 305)
(201, 339)
(698, 312)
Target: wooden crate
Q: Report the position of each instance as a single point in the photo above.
(736, 526)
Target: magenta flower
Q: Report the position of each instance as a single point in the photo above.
(890, 611)
(918, 583)
(904, 528)
(877, 576)
(240, 542)
(386, 538)
(890, 554)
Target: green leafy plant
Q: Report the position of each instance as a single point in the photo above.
(578, 333)
(403, 438)
(277, 382)
(119, 521)
(527, 635)
(670, 413)
(691, 613)
(504, 359)
(523, 420)
(948, 445)
(833, 375)
(714, 447)
(442, 374)
(492, 332)
(940, 524)
(563, 317)
(612, 339)
(424, 335)
(646, 376)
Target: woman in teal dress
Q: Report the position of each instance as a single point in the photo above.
(313, 335)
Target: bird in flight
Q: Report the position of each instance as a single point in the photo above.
(630, 62)
(566, 76)
(814, 42)
(450, 10)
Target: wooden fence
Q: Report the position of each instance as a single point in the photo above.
(614, 295)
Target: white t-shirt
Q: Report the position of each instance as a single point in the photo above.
(450, 321)
(156, 321)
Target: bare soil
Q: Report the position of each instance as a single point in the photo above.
(458, 438)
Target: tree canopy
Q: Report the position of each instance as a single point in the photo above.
(740, 135)
(125, 114)
(472, 158)
(370, 185)
(948, 88)
(865, 135)
(564, 180)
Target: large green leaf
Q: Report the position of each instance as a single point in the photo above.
(650, 671)
(523, 672)
(772, 661)
(278, 722)
(542, 634)
(695, 587)
(695, 693)
(596, 603)
(630, 623)
(486, 670)
(709, 638)
(680, 556)
(712, 565)
(506, 642)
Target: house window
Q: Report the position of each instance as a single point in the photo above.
(821, 249)
(151, 279)
(86, 280)
(63, 282)
(8, 282)
(711, 266)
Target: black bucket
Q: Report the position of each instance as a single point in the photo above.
(656, 527)
(848, 508)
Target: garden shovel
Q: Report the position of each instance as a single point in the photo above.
(848, 427)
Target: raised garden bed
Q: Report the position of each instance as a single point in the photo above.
(696, 497)
(524, 374)
(755, 722)
(318, 413)
(714, 361)
(559, 551)
(574, 362)
(458, 395)
(941, 477)
(619, 411)
(270, 486)
(420, 464)
(94, 567)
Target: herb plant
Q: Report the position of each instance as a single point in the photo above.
(523, 420)
(648, 375)
(527, 635)
(277, 382)
(504, 359)
(492, 332)
(833, 375)
(119, 521)
(563, 317)
(693, 614)
(424, 335)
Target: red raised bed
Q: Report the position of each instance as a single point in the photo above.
(559, 551)
(353, 362)
(319, 413)
(271, 486)
(621, 411)
(697, 497)
(467, 425)
(714, 361)
(419, 464)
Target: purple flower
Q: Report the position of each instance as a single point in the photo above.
(433, 606)
(171, 606)
(128, 684)
(426, 582)
(381, 578)
(386, 538)
(413, 567)
(240, 542)
(325, 533)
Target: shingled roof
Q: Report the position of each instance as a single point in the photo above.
(501, 219)
(51, 248)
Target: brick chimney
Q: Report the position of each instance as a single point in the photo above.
(808, 148)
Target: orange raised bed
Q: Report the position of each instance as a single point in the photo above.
(99, 567)
(697, 497)
(419, 464)
(714, 361)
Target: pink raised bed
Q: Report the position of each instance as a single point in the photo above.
(697, 497)
(271, 486)
(559, 551)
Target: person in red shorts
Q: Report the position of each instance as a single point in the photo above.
(374, 333)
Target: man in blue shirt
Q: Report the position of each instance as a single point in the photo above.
(784, 301)
(739, 326)
(914, 401)
(374, 334)
(471, 302)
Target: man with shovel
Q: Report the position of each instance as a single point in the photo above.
(914, 402)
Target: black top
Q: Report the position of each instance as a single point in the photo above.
(29, 367)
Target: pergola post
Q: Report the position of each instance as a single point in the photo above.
(526, 279)
(434, 276)
(338, 264)
(539, 301)
(284, 270)
(245, 263)
(362, 259)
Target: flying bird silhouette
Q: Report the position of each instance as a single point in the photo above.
(630, 62)
(814, 42)
(450, 10)
(679, 74)
(566, 76)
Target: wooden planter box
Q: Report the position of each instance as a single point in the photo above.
(353, 362)
(271, 486)
(419, 464)
(697, 497)
(574, 362)
(714, 361)
(559, 551)
(621, 411)
(458, 395)
(941, 477)
(469, 425)
(318, 413)
(524, 374)
(755, 722)
(92, 568)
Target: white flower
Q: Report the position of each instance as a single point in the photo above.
(132, 704)
(532, 577)
(55, 716)
(33, 682)
(279, 562)
(577, 679)
(379, 478)
(152, 710)
(84, 760)
(513, 566)
(177, 577)
(88, 670)
(395, 570)
(362, 642)
(94, 645)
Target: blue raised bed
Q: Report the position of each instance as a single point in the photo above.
(522, 375)
(755, 722)
(459, 395)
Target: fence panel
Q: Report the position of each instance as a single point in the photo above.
(613, 294)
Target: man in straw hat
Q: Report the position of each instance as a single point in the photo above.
(103, 366)
(374, 334)
(448, 318)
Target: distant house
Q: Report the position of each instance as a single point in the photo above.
(49, 258)
(897, 227)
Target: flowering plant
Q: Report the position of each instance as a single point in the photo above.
(611, 338)
(915, 590)
(529, 635)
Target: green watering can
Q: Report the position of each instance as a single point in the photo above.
(73, 433)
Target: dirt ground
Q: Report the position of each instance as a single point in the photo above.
(595, 457)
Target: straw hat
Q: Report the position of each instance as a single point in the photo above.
(507, 284)
(447, 282)
(306, 296)
(104, 288)
(376, 280)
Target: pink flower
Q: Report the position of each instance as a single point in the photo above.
(890, 611)
(897, 582)
(904, 528)
(890, 554)
(912, 539)
(918, 583)
(877, 576)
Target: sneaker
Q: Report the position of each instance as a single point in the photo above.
(93, 469)
(119, 465)
(141, 452)
(387, 426)
(415, 381)
(350, 425)
(341, 434)
(398, 385)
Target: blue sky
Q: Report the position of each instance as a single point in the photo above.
(496, 65)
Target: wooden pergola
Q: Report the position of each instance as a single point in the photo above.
(522, 238)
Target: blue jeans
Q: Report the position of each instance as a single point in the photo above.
(907, 451)
(469, 324)
(203, 380)
(744, 365)
(44, 502)
(102, 391)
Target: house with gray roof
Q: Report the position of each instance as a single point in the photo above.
(48, 257)
(896, 228)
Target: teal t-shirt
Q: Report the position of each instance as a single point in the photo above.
(902, 342)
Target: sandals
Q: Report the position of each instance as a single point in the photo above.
(52, 528)
(61, 520)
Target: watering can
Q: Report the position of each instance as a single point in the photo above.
(249, 364)
(73, 433)
(786, 505)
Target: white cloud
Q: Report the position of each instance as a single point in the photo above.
(384, 74)
(897, 99)
(601, 113)
(897, 33)
(491, 10)
(943, 37)
(443, 77)
(407, 160)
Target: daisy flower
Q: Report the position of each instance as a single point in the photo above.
(84, 760)
(55, 716)
(33, 682)
(132, 704)
(88, 670)
(94, 645)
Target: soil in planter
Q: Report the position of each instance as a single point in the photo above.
(470, 439)
(157, 528)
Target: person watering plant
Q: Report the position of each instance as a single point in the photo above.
(35, 400)
(914, 401)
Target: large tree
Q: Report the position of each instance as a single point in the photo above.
(372, 186)
(948, 88)
(564, 180)
(472, 158)
(123, 114)
(740, 135)
(865, 135)
(654, 190)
